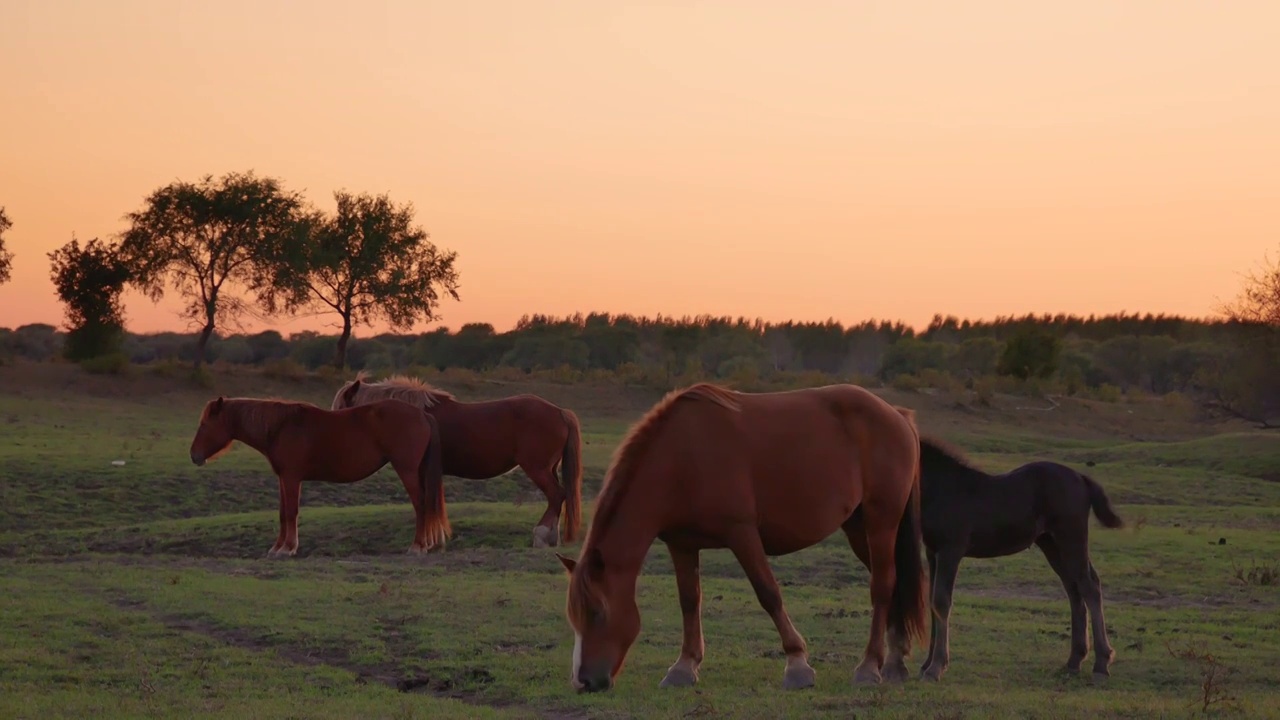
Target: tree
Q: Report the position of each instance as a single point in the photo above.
(1259, 300)
(89, 281)
(198, 238)
(367, 261)
(1030, 352)
(6, 257)
(1247, 386)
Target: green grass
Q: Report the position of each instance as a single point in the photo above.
(142, 591)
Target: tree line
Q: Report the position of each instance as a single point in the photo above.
(1230, 365)
(242, 245)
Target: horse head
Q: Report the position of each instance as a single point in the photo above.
(213, 437)
(601, 608)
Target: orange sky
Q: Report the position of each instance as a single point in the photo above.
(783, 160)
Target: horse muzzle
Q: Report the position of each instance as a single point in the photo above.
(197, 459)
(593, 682)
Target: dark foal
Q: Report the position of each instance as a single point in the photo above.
(969, 513)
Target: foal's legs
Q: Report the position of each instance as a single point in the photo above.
(684, 672)
(895, 665)
(546, 532)
(932, 558)
(747, 548)
(1073, 553)
(1091, 590)
(946, 565)
(1079, 641)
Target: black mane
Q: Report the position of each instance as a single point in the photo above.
(938, 457)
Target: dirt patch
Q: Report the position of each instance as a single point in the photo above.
(451, 685)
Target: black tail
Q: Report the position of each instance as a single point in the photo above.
(907, 611)
(1101, 504)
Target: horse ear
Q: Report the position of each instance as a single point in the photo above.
(350, 395)
(569, 563)
(217, 404)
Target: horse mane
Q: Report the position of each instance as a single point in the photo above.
(404, 387)
(937, 453)
(622, 470)
(261, 418)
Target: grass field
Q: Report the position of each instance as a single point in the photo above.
(141, 590)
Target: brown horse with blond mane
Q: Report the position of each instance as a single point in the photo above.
(762, 474)
(486, 439)
(305, 442)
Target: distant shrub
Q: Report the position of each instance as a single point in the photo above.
(1106, 392)
(906, 383)
(284, 369)
(984, 391)
(116, 363)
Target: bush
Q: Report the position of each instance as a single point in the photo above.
(284, 369)
(906, 383)
(116, 363)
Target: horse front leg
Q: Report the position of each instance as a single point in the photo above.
(747, 548)
(291, 489)
(546, 532)
(684, 672)
(948, 567)
(284, 522)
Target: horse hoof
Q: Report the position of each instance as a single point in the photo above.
(929, 674)
(896, 672)
(798, 677)
(866, 676)
(416, 550)
(678, 677)
(544, 536)
(1100, 678)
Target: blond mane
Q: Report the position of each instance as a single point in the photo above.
(401, 387)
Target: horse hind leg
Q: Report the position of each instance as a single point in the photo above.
(1103, 653)
(547, 532)
(747, 548)
(409, 478)
(1079, 640)
(895, 664)
(881, 535)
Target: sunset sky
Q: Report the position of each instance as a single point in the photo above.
(776, 159)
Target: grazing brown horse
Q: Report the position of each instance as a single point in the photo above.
(966, 512)
(483, 440)
(305, 442)
(762, 474)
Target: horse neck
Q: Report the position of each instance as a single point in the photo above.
(632, 527)
(254, 434)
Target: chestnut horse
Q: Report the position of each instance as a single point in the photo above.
(305, 442)
(482, 440)
(762, 474)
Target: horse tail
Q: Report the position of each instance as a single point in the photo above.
(431, 487)
(908, 613)
(1101, 504)
(907, 610)
(571, 478)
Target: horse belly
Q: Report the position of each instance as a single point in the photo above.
(805, 518)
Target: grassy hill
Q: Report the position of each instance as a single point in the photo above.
(141, 589)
